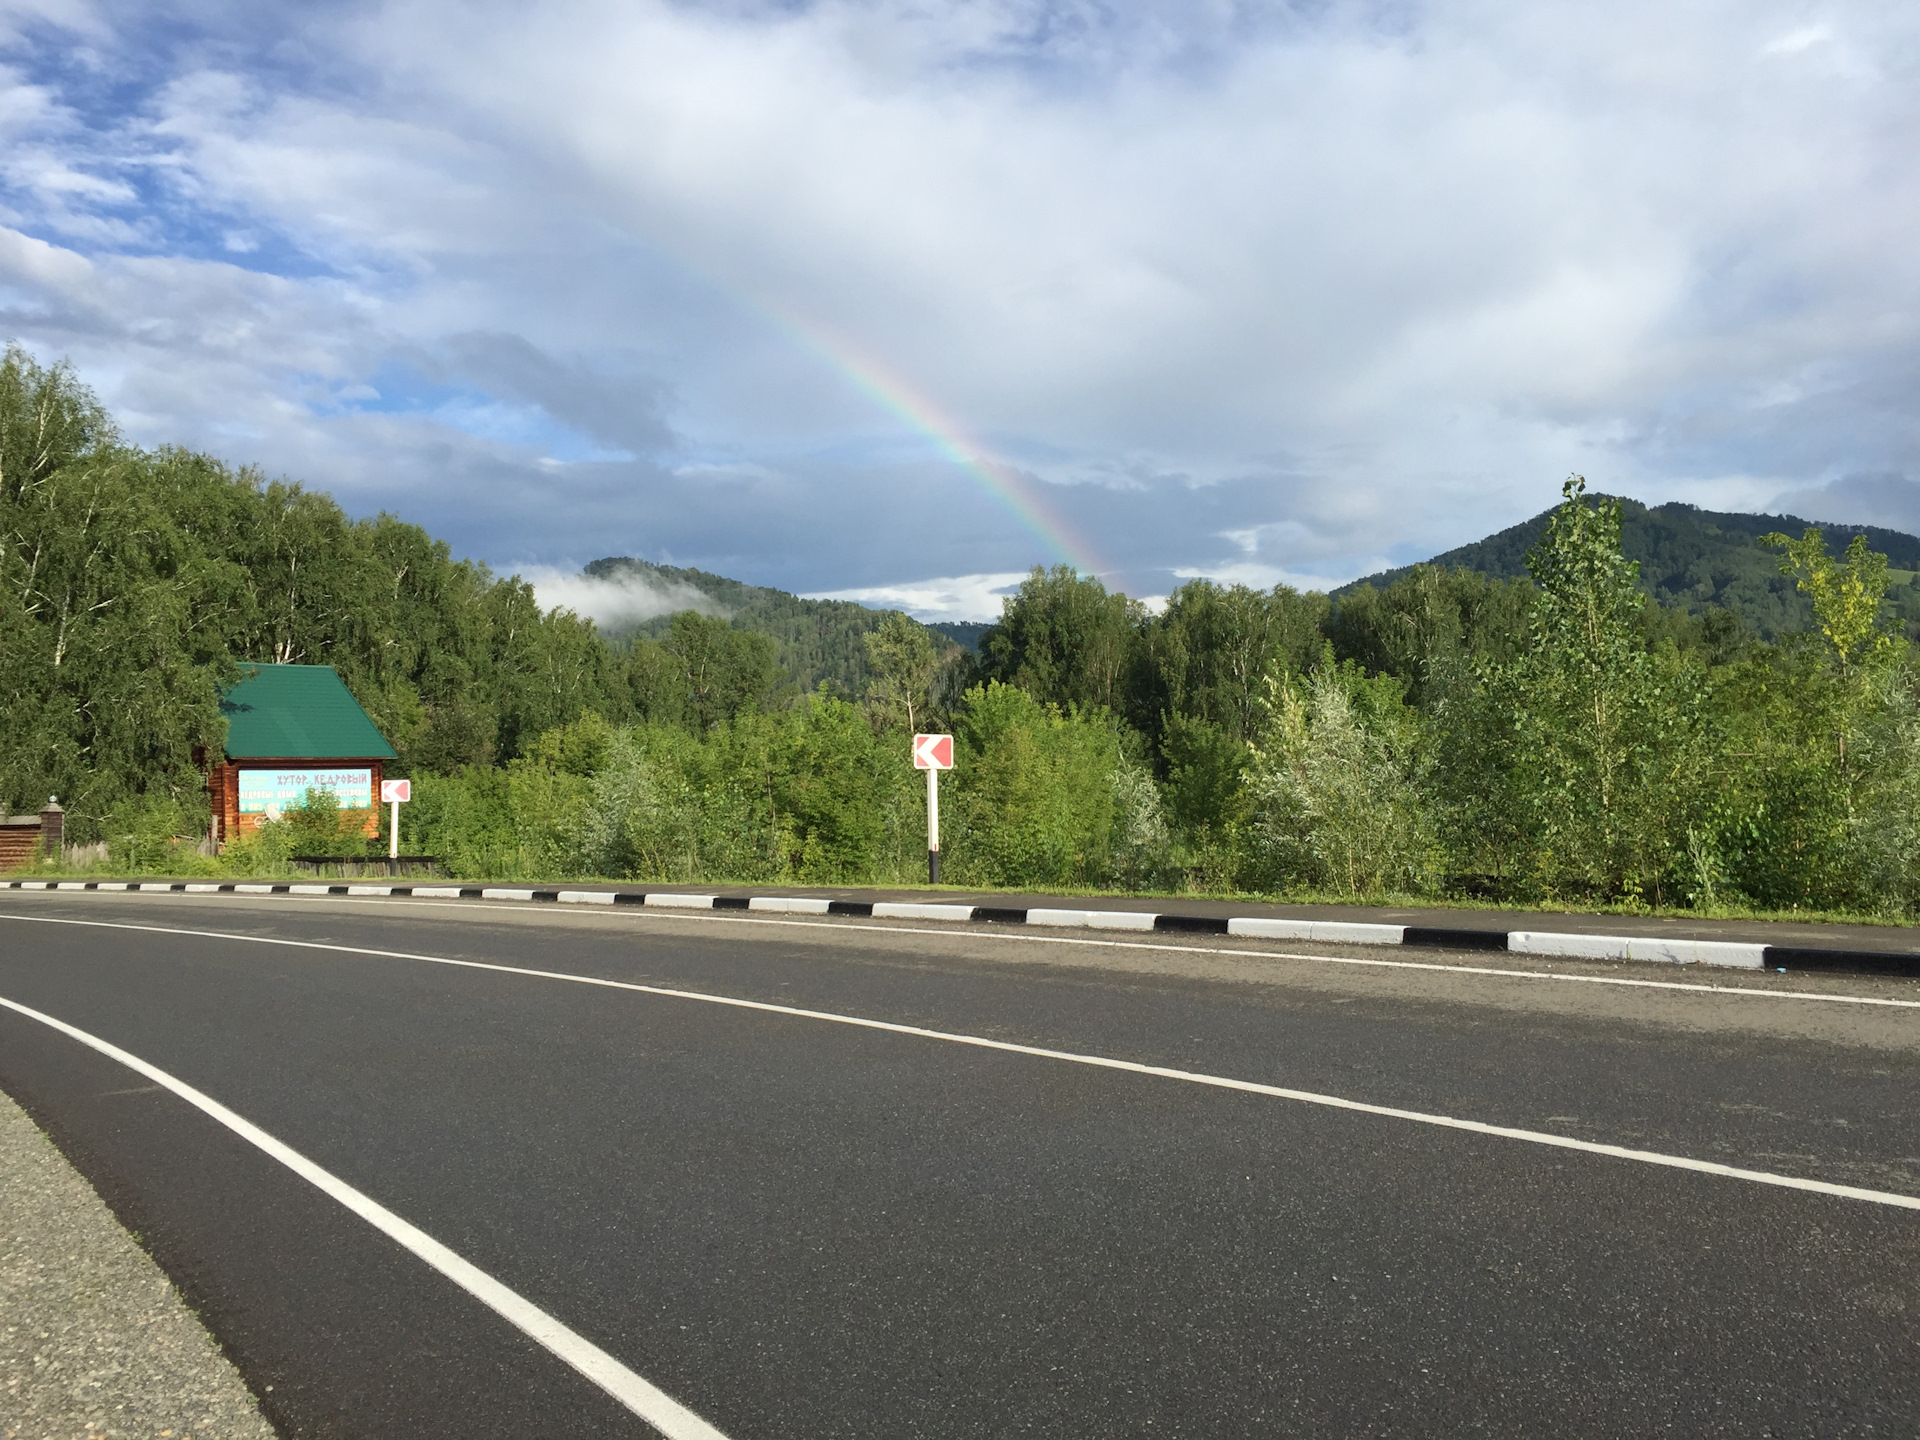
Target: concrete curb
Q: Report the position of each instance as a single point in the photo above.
(1722, 953)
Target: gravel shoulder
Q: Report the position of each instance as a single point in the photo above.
(94, 1340)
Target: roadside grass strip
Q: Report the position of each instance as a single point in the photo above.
(1102, 1062)
(1737, 955)
(642, 1397)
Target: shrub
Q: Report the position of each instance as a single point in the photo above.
(1033, 794)
(1336, 788)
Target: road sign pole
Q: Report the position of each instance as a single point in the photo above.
(933, 826)
(396, 793)
(933, 753)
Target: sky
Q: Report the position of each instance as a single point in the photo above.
(896, 299)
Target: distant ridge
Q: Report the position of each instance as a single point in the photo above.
(1691, 559)
(814, 640)
(964, 633)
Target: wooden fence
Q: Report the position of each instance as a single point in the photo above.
(27, 838)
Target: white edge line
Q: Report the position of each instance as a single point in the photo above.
(1104, 1062)
(639, 1395)
(424, 893)
(1019, 933)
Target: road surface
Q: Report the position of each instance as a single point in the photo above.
(934, 1181)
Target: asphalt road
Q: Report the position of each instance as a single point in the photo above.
(804, 1228)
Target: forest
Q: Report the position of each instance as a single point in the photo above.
(1562, 736)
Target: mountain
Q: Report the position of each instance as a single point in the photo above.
(1693, 559)
(814, 640)
(964, 633)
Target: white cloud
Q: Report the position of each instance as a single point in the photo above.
(1264, 577)
(1796, 40)
(1299, 290)
(950, 597)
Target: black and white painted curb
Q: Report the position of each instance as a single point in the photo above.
(1734, 954)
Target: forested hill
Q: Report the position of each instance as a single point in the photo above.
(814, 640)
(1691, 559)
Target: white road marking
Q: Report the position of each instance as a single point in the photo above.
(1335, 931)
(796, 905)
(1103, 1062)
(901, 910)
(639, 1395)
(1666, 950)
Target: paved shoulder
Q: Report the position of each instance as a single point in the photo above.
(94, 1341)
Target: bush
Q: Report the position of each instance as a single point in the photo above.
(1336, 792)
(1034, 797)
(1141, 850)
(316, 826)
(154, 833)
(674, 806)
(466, 819)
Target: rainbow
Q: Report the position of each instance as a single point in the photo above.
(1000, 481)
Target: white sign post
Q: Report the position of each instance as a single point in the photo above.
(933, 753)
(396, 793)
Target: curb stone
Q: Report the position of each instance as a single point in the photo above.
(94, 1339)
(1720, 953)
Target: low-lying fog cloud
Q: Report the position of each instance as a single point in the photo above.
(615, 602)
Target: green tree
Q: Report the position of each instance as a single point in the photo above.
(1825, 768)
(728, 671)
(1206, 771)
(657, 687)
(1431, 620)
(109, 667)
(1482, 797)
(48, 421)
(1607, 743)
(905, 665)
(1211, 652)
(836, 791)
(1847, 599)
(1065, 640)
(1140, 848)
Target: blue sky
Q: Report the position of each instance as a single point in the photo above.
(1260, 291)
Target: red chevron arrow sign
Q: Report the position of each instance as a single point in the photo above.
(933, 752)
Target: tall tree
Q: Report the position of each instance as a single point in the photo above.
(48, 420)
(728, 672)
(1603, 741)
(1849, 599)
(109, 673)
(1428, 622)
(905, 664)
(1065, 639)
(1210, 654)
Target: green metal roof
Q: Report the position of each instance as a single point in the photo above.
(298, 712)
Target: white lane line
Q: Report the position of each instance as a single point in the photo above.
(1102, 1062)
(639, 1395)
(1017, 934)
(1014, 933)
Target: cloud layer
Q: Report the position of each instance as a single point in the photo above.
(1226, 288)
